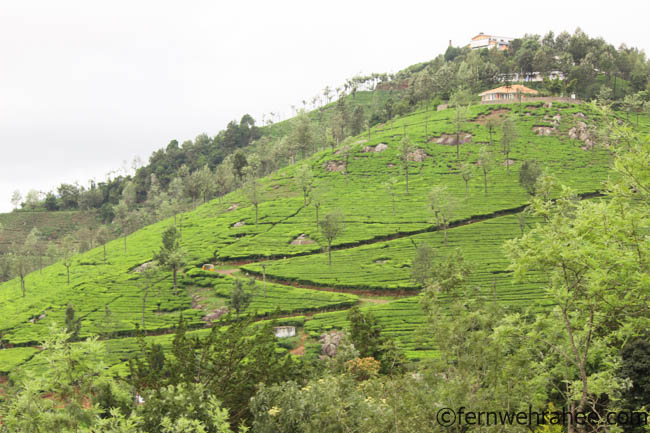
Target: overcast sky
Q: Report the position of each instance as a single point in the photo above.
(86, 85)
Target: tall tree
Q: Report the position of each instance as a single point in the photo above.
(16, 198)
(103, 236)
(171, 254)
(253, 193)
(466, 170)
(331, 227)
(32, 200)
(443, 205)
(240, 298)
(304, 180)
(68, 250)
(528, 175)
(594, 259)
(486, 162)
(508, 136)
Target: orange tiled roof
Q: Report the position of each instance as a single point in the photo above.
(515, 88)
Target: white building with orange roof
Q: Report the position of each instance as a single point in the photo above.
(505, 93)
(490, 41)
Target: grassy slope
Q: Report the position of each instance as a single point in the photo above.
(209, 236)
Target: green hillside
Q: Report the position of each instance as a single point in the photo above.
(371, 258)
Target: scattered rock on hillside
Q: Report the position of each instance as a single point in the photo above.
(544, 130)
(450, 139)
(239, 224)
(232, 207)
(418, 156)
(334, 165)
(144, 267)
(330, 342)
(494, 114)
(302, 240)
(390, 165)
(580, 115)
(378, 148)
(508, 162)
(215, 314)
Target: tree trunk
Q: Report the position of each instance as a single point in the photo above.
(68, 269)
(124, 235)
(329, 251)
(406, 173)
(104, 253)
(457, 146)
(485, 181)
(144, 301)
(393, 203)
(264, 278)
(466, 190)
(255, 213)
(175, 271)
(22, 284)
(317, 215)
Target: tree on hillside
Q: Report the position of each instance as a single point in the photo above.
(460, 100)
(68, 250)
(224, 179)
(405, 150)
(508, 137)
(466, 170)
(331, 226)
(21, 263)
(304, 180)
(317, 196)
(486, 162)
(16, 198)
(129, 195)
(230, 363)
(366, 335)
(492, 124)
(443, 205)
(103, 236)
(238, 163)
(301, 138)
(36, 246)
(171, 254)
(32, 200)
(594, 257)
(357, 121)
(422, 264)
(205, 182)
(528, 175)
(123, 218)
(147, 279)
(391, 187)
(239, 299)
(72, 323)
(252, 191)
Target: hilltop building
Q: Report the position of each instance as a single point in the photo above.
(490, 41)
(505, 93)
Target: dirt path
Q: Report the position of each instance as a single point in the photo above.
(300, 350)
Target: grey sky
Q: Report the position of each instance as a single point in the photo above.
(86, 85)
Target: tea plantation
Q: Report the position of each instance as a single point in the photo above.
(371, 257)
